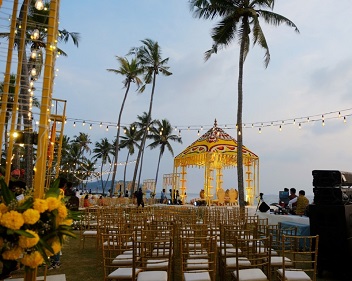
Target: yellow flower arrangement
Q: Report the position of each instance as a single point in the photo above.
(31, 216)
(33, 229)
(12, 220)
(33, 259)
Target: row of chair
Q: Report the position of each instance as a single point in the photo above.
(169, 243)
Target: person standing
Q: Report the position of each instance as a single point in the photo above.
(139, 196)
(163, 198)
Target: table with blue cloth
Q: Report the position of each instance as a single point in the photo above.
(302, 230)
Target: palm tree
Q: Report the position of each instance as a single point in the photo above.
(238, 19)
(149, 56)
(161, 136)
(129, 141)
(131, 70)
(102, 151)
(144, 125)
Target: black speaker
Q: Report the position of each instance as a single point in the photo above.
(333, 224)
(263, 207)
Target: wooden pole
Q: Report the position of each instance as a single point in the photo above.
(40, 167)
(5, 94)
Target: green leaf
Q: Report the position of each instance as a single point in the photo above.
(26, 205)
(24, 233)
(6, 193)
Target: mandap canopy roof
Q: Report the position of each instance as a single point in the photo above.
(214, 144)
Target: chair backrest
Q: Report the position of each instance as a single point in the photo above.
(233, 194)
(257, 251)
(303, 253)
(221, 196)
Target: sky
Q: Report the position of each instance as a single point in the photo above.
(309, 75)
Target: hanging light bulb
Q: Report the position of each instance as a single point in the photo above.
(84, 123)
(90, 126)
(239, 132)
(323, 123)
(107, 128)
(31, 83)
(339, 114)
(198, 133)
(39, 5)
(74, 124)
(35, 34)
(344, 119)
(299, 126)
(33, 71)
(260, 130)
(101, 124)
(280, 128)
(34, 54)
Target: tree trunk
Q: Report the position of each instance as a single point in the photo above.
(157, 170)
(118, 135)
(124, 175)
(144, 134)
(239, 125)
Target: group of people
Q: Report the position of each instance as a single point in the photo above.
(296, 204)
(174, 197)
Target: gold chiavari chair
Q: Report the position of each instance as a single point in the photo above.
(256, 252)
(302, 252)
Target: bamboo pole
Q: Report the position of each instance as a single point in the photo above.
(21, 47)
(40, 167)
(5, 94)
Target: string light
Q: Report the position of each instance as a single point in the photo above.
(279, 123)
(344, 119)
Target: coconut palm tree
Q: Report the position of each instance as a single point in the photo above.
(238, 19)
(102, 151)
(144, 125)
(129, 141)
(131, 71)
(161, 137)
(149, 56)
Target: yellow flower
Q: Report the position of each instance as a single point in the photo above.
(26, 242)
(3, 208)
(56, 245)
(12, 254)
(53, 203)
(33, 259)
(67, 222)
(31, 216)
(12, 219)
(40, 205)
(62, 211)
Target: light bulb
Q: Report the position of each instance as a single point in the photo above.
(39, 5)
(33, 71)
(34, 54)
(35, 34)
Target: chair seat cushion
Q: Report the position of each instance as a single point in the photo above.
(122, 273)
(250, 274)
(294, 275)
(197, 276)
(231, 262)
(197, 264)
(157, 264)
(277, 261)
(123, 259)
(152, 276)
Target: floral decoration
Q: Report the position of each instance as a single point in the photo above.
(33, 229)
